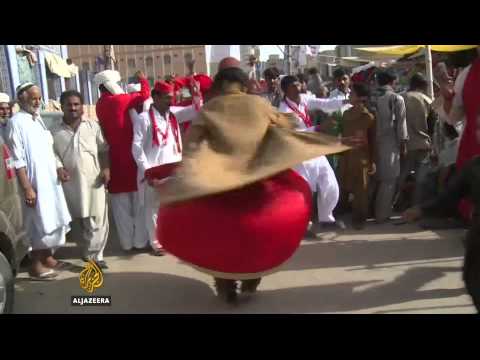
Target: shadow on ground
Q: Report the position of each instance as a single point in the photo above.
(318, 254)
(162, 293)
(342, 297)
(131, 293)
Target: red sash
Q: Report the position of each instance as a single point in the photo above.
(156, 130)
(161, 172)
(176, 131)
(171, 123)
(305, 117)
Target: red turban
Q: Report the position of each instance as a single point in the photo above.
(185, 82)
(228, 62)
(205, 83)
(163, 88)
(180, 82)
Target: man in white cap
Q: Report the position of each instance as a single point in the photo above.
(5, 113)
(46, 215)
(115, 120)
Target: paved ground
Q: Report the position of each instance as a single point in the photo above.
(383, 269)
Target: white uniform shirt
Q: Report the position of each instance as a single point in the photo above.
(311, 103)
(148, 155)
(340, 95)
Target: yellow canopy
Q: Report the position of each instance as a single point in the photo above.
(451, 48)
(400, 50)
(397, 50)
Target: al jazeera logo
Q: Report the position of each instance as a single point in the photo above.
(91, 278)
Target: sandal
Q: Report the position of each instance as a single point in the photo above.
(62, 265)
(158, 252)
(45, 276)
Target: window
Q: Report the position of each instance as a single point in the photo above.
(54, 85)
(175, 55)
(188, 57)
(167, 59)
(149, 61)
(131, 63)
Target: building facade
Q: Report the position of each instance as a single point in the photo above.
(156, 61)
(22, 63)
(350, 50)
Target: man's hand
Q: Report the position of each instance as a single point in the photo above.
(63, 175)
(106, 176)
(155, 183)
(354, 141)
(30, 197)
(140, 75)
(412, 214)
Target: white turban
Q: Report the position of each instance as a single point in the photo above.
(131, 88)
(4, 98)
(109, 79)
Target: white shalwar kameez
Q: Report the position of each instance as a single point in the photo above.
(32, 148)
(148, 155)
(317, 172)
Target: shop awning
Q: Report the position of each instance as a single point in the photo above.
(58, 66)
(400, 50)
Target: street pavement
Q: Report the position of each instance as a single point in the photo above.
(384, 269)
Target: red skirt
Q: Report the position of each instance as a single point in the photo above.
(240, 234)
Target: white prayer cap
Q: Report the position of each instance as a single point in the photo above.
(23, 87)
(109, 79)
(4, 98)
(131, 88)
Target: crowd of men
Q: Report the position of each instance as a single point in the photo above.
(71, 175)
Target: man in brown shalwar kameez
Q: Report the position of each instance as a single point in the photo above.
(357, 165)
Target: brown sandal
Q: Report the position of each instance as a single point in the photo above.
(45, 276)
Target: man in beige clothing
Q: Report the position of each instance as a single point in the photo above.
(421, 120)
(83, 168)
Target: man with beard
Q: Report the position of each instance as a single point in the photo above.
(5, 113)
(46, 214)
(83, 168)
